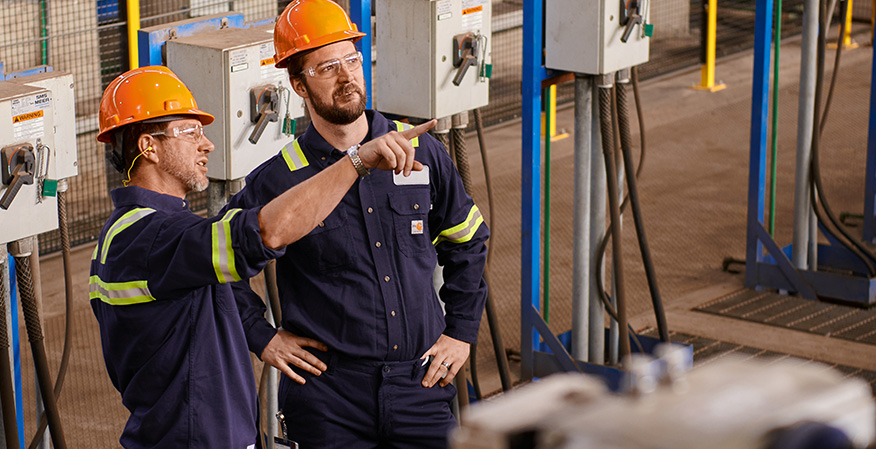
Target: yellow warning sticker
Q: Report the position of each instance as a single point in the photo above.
(28, 116)
(472, 10)
(269, 61)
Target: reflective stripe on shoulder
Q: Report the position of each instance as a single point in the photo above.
(464, 231)
(120, 225)
(119, 293)
(415, 142)
(223, 252)
(294, 159)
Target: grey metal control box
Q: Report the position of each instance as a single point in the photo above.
(421, 52)
(585, 37)
(228, 71)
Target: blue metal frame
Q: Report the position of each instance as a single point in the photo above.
(774, 269)
(530, 219)
(25, 73)
(360, 14)
(150, 40)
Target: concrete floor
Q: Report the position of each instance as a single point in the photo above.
(694, 196)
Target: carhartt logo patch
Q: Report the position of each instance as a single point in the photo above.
(416, 226)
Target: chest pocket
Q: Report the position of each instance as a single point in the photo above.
(411, 221)
(328, 243)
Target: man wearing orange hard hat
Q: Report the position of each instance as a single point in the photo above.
(360, 283)
(160, 275)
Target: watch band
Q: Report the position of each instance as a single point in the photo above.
(353, 152)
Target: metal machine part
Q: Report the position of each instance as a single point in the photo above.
(727, 404)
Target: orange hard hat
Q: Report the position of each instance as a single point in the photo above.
(309, 24)
(143, 94)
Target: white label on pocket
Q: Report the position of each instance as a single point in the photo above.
(415, 178)
(416, 227)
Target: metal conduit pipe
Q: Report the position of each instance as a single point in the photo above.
(7, 395)
(614, 210)
(21, 251)
(850, 242)
(457, 145)
(492, 318)
(271, 378)
(623, 118)
(441, 131)
(68, 306)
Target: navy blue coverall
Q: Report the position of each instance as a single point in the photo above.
(169, 326)
(361, 282)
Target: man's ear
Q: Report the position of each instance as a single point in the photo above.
(146, 145)
(298, 86)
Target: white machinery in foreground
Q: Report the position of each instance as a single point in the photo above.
(727, 404)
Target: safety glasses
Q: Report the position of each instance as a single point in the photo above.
(192, 133)
(331, 68)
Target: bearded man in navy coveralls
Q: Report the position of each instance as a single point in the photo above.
(160, 275)
(360, 283)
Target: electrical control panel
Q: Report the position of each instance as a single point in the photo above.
(27, 141)
(610, 36)
(63, 159)
(231, 73)
(433, 56)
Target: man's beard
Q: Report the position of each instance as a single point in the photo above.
(174, 165)
(338, 115)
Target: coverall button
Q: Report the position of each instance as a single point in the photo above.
(416, 207)
(386, 278)
(370, 210)
(321, 224)
(395, 347)
(386, 368)
(392, 313)
(377, 244)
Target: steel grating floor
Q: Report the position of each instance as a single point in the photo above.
(820, 318)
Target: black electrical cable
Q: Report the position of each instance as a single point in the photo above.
(273, 293)
(844, 9)
(492, 317)
(633, 191)
(640, 115)
(457, 145)
(7, 396)
(614, 211)
(68, 310)
(851, 243)
(35, 336)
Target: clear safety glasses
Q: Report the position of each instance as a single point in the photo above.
(330, 69)
(192, 133)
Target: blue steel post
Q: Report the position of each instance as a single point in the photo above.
(757, 163)
(530, 226)
(870, 174)
(360, 14)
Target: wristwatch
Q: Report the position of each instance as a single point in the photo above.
(353, 152)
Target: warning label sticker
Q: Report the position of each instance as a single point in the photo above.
(266, 58)
(28, 115)
(473, 14)
(237, 60)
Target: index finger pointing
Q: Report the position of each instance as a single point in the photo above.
(419, 129)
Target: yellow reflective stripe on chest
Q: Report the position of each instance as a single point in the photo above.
(120, 225)
(295, 159)
(119, 293)
(223, 251)
(399, 126)
(464, 231)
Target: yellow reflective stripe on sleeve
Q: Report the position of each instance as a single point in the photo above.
(120, 225)
(223, 252)
(94, 254)
(294, 159)
(399, 126)
(119, 293)
(464, 231)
